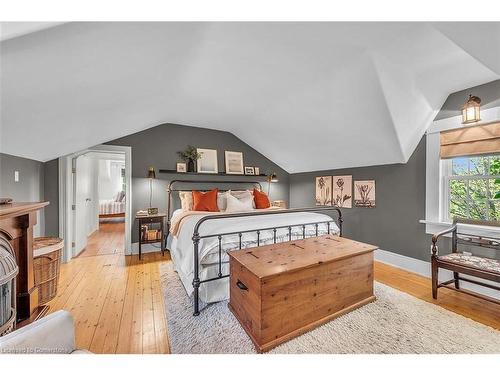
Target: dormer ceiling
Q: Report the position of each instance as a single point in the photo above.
(309, 96)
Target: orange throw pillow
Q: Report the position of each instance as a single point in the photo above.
(261, 199)
(205, 201)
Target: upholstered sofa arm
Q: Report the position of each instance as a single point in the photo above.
(53, 334)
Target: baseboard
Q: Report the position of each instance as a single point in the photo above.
(146, 248)
(423, 268)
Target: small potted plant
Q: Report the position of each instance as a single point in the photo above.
(189, 155)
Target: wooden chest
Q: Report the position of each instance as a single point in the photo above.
(280, 291)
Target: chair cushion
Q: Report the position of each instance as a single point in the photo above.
(484, 264)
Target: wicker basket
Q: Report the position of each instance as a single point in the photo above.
(47, 252)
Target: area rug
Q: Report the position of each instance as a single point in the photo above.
(395, 323)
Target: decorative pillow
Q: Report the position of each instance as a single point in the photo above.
(242, 194)
(221, 201)
(186, 200)
(205, 201)
(238, 205)
(261, 199)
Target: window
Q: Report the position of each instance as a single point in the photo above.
(472, 188)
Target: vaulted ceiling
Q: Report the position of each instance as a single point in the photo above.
(309, 96)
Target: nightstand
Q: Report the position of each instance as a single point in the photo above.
(278, 203)
(147, 225)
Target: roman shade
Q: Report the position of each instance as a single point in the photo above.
(472, 140)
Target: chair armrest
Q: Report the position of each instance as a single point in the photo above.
(54, 334)
(436, 236)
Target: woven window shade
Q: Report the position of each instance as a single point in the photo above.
(473, 140)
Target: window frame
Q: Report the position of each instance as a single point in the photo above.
(447, 175)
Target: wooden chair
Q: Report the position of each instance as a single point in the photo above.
(465, 264)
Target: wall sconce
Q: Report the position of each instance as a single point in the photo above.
(470, 110)
(151, 176)
(271, 178)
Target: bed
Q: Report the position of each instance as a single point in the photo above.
(111, 208)
(199, 241)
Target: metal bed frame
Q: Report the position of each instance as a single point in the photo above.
(197, 237)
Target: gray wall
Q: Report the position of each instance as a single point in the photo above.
(489, 94)
(51, 194)
(158, 146)
(400, 198)
(29, 188)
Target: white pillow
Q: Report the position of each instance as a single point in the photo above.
(242, 194)
(186, 200)
(221, 201)
(238, 205)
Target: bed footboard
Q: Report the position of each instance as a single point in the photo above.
(197, 237)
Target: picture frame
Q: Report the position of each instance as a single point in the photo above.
(364, 194)
(250, 171)
(323, 195)
(207, 163)
(181, 167)
(342, 191)
(257, 171)
(234, 162)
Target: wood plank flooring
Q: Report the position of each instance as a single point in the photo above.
(117, 302)
(108, 239)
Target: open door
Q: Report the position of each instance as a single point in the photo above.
(82, 202)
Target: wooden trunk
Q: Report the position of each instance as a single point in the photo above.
(280, 291)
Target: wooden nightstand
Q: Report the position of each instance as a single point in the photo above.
(279, 203)
(150, 222)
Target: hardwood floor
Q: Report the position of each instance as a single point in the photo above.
(109, 239)
(117, 302)
(418, 286)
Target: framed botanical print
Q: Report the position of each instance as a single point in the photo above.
(207, 163)
(234, 162)
(364, 193)
(324, 191)
(342, 191)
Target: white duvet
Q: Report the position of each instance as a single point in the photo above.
(182, 249)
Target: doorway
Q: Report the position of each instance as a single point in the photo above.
(94, 204)
(100, 200)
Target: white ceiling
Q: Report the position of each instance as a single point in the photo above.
(309, 96)
(9, 30)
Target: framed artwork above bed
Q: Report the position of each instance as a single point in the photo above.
(207, 163)
(234, 162)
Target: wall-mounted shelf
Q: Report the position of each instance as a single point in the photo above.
(173, 171)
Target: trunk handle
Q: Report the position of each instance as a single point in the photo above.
(240, 285)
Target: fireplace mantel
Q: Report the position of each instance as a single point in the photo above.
(16, 225)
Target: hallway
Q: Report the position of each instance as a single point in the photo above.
(109, 239)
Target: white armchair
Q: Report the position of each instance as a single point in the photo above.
(53, 334)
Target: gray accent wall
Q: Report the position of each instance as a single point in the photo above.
(51, 194)
(393, 224)
(489, 94)
(29, 188)
(157, 147)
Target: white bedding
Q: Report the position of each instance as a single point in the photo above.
(109, 206)
(182, 249)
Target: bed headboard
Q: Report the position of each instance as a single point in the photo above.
(204, 185)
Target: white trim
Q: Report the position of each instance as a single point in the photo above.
(66, 192)
(434, 187)
(423, 268)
